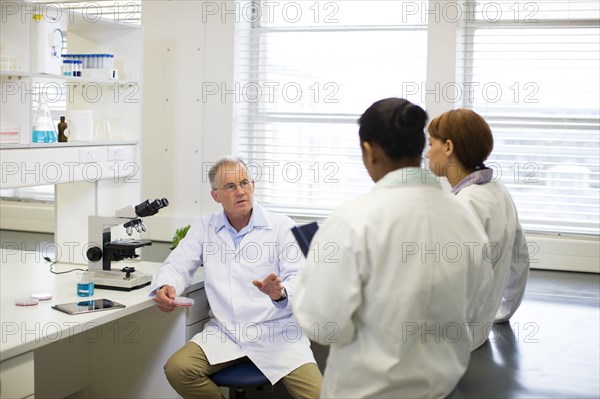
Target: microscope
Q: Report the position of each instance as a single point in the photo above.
(102, 251)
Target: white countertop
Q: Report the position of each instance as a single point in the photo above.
(25, 328)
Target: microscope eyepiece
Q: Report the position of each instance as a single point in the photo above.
(149, 208)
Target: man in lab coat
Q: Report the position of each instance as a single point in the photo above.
(396, 297)
(250, 262)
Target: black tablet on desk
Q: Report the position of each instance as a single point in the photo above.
(86, 306)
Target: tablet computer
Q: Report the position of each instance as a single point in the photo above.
(90, 305)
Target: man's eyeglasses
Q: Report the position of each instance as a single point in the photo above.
(230, 187)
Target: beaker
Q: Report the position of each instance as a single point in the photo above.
(43, 127)
(102, 131)
(85, 283)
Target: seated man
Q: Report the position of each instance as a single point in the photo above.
(250, 260)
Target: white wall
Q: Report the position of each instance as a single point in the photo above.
(183, 132)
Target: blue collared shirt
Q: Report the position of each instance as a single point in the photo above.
(257, 219)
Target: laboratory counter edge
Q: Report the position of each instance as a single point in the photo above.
(33, 336)
(27, 276)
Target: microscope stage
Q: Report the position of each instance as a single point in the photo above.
(115, 280)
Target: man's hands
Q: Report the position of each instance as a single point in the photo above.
(270, 286)
(164, 298)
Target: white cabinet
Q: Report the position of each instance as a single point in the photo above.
(17, 377)
(146, 341)
(114, 104)
(197, 314)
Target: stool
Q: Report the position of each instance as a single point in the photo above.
(240, 376)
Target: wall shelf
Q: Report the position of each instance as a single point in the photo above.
(111, 102)
(60, 78)
(69, 144)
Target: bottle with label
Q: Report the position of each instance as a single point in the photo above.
(43, 128)
(62, 128)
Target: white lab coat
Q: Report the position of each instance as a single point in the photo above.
(245, 321)
(508, 251)
(392, 281)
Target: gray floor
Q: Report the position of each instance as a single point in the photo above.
(549, 349)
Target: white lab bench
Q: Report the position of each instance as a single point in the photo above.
(114, 353)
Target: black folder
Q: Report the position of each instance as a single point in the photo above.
(304, 235)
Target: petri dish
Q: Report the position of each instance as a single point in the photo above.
(183, 301)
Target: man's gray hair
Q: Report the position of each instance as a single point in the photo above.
(227, 160)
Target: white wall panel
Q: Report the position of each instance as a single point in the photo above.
(182, 132)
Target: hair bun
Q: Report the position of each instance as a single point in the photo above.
(396, 125)
(414, 115)
(408, 116)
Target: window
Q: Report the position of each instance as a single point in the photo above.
(540, 64)
(305, 72)
(530, 68)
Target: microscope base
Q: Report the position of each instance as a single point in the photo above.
(115, 280)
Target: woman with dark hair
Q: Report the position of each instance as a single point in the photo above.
(390, 282)
(459, 142)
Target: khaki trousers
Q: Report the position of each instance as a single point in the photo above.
(188, 372)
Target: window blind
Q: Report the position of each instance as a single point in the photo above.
(305, 71)
(533, 69)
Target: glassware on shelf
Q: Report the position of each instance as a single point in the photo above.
(67, 68)
(43, 127)
(91, 66)
(77, 66)
(62, 130)
(102, 131)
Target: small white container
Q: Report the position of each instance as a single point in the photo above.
(98, 73)
(81, 125)
(9, 135)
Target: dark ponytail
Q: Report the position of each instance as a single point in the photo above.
(396, 125)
